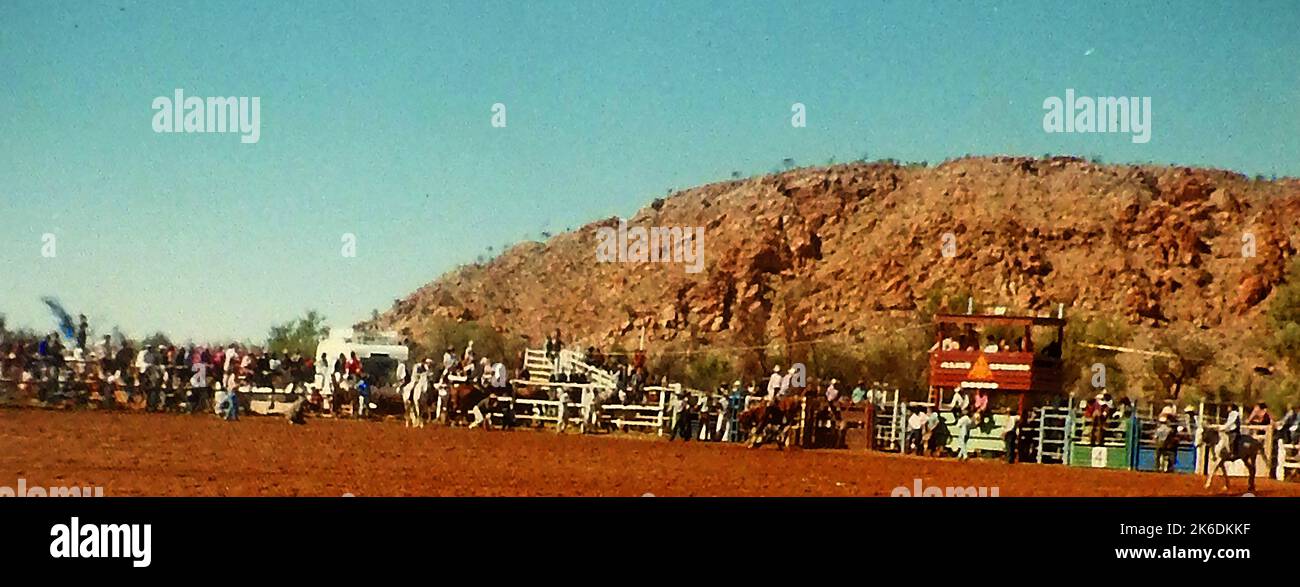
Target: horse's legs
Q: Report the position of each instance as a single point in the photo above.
(1214, 468)
(1250, 472)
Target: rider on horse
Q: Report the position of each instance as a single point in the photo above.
(1232, 427)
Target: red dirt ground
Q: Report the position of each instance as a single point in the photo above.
(134, 454)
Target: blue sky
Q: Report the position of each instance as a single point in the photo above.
(375, 120)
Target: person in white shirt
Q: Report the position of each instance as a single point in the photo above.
(245, 366)
(485, 372)
(960, 401)
(786, 382)
(228, 379)
(1232, 426)
(963, 434)
(915, 428)
(774, 383)
(992, 346)
(144, 358)
(832, 393)
(401, 373)
(500, 378)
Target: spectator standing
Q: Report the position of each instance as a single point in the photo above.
(964, 423)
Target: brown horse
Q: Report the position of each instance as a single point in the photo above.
(771, 421)
(530, 392)
(461, 397)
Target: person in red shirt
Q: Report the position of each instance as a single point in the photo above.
(354, 365)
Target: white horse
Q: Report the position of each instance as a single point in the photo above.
(1221, 452)
(593, 402)
(414, 398)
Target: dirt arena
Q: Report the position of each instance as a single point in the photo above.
(135, 454)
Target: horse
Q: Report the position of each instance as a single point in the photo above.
(1221, 453)
(531, 392)
(593, 401)
(415, 396)
(461, 396)
(762, 420)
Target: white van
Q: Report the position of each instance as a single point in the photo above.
(379, 353)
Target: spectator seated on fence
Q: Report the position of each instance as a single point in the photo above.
(1290, 427)
(1098, 411)
(859, 393)
(1188, 423)
(981, 404)
(960, 400)
(1259, 416)
(1124, 408)
(832, 392)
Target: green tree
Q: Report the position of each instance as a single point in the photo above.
(157, 339)
(897, 361)
(707, 370)
(1191, 358)
(1079, 360)
(446, 332)
(298, 336)
(1284, 315)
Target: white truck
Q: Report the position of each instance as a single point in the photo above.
(379, 352)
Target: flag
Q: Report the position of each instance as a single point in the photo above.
(66, 326)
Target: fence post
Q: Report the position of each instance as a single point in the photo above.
(893, 425)
(563, 410)
(659, 416)
(1042, 430)
(1200, 450)
(1133, 441)
(803, 422)
(870, 425)
(1068, 457)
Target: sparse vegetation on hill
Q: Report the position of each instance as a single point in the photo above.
(828, 264)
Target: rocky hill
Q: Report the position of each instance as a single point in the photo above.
(854, 252)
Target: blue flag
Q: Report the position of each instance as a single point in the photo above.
(66, 326)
